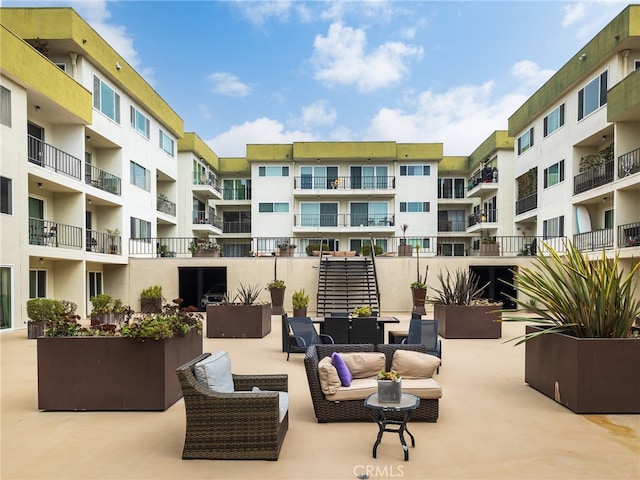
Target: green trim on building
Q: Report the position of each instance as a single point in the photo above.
(453, 165)
(623, 100)
(498, 140)
(615, 37)
(24, 65)
(277, 152)
(191, 142)
(64, 26)
(235, 166)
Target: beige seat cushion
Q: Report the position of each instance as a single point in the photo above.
(364, 364)
(361, 388)
(411, 364)
(329, 379)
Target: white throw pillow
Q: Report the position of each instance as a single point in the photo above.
(215, 371)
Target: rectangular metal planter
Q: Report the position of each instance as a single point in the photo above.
(112, 373)
(389, 391)
(460, 321)
(586, 375)
(238, 321)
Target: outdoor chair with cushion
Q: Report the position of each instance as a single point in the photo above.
(337, 328)
(232, 416)
(365, 330)
(303, 334)
(425, 332)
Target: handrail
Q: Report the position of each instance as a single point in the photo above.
(375, 273)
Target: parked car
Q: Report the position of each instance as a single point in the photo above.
(213, 296)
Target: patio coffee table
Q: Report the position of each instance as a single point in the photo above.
(408, 403)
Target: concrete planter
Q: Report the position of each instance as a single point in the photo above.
(238, 321)
(389, 391)
(586, 375)
(112, 373)
(462, 321)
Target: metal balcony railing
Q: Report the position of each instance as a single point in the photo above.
(102, 242)
(54, 234)
(344, 220)
(236, 227)
(98, 178)
(527, 203)
(50, 157)
(594, 240)
(629, 235)
(344, 183)
(629, 163)
(165, 205)
(594, 177)
(490, 215)
(208, 179)
(236, 193)
(207, 218)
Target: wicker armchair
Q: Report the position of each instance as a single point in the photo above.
(240, 425)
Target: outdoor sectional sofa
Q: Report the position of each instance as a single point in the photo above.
(353, 409)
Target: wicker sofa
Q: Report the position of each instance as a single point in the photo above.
(240, 425)
(354, 410)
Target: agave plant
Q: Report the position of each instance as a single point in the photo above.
(248, 294)
(573, 295)
(461, 288)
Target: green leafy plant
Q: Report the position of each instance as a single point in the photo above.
(573, 295)
(391, 375)
(300, 299)
(248, 294)
(276, 285)
(315, 247)
(102, 303)
(155, 291)
(461, 288)
(364, 311)
(365, 251)
(44, 309)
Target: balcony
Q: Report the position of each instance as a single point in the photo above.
(629, 235)
(103, 242)
(236, 227)
(343, 220)
(342, 184)
(483, 183)
(207, 183)
(451, 225)
(52, 158)
(164, 205)
(629, 163)
(243, 193)
(102, 180)
(594, 240)
(54, 234)
(527, 203)
(207, 218)
(487, 216)
(594, 177)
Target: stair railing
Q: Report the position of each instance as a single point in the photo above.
(375, 274)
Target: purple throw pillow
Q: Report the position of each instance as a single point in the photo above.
(343, 371)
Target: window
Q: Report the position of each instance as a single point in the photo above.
(415, 170)
(318, 177)
(608, 219)
(37, 283)
(525, 141)
(139, 122)
(6, 290)
(371, 214)
(106, 100)
(414, 207)
(451, 249)
(95, 284)
(140, 176)
(592, 96)
(451, 187)
(314, 214)
(554, 174)
(280, 171)
(275, 207)
(140, 229)
(423, 243)
(554, 227)
(356, 244)
(6, 196)
(239, 189)
(636, 64)
(166, 143)
(369, 177)
(554, 120)
(5, 106)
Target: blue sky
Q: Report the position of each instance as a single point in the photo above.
(241, 72)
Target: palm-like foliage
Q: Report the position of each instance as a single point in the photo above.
(576, 296)
(461, 288)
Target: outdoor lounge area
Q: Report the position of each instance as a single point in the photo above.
(491, 425)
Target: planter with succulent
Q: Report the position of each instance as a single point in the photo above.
(580, 350)
(203, 248)
(389, 387)
(127, 367)
(404, 250)
(364, 311)
(240, 316)
(105, 310)
(460, 310)
(151, 299)
(41, 311)
(419, 287)
(300, 302)
(489, 247)
(276, 290)
(286, 249)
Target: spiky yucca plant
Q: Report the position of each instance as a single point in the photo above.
(461, 288)
(573, 295)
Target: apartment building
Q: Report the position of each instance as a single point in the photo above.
(577, 145)
(89, 161)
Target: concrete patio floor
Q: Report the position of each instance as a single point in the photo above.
(491, 426)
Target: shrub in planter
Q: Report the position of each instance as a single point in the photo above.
(300, 302)
(365, 251)
(41, 311)
(151, 299)
(240, 316)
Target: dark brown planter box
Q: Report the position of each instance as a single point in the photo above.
(112, 373)
(151, 305)
(35, 329)
(277, 301)
(238, 321)
(419, 296)
(461, 321)
(299, 312)
(489, 249)
(586, 375)
(405, 250)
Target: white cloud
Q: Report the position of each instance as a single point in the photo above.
(530, 75)
(261, 12)
(228, 84)
(316, 114)
(588, 17)
(341, 59)
(573, 13)
(233, 142)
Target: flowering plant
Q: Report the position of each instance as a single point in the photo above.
(392, 375)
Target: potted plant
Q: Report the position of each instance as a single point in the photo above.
(40, 311)
(489, 247)
(580, 350)
(404, 250)
(126, 367)
(276, 290)
(240, 315)
(389, 387)
(114, 241)
(286, 249)
(151, 299)
(419, 287)
(460, 310)
(313, 249)
(202, 248)
(105, 310)
(300, 302)
(364, 311)
(365, 251)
